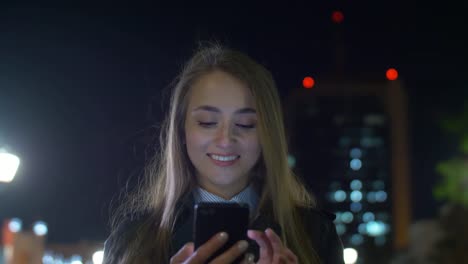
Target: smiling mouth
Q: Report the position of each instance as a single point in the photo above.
(223, 158)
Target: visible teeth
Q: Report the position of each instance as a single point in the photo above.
(223, 158)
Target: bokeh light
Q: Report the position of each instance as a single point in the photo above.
(392, 74)
(308, 82)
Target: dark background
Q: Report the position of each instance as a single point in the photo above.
(80, 85)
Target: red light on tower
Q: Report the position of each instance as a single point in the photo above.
(392, 74)
(337, 17)
(308, 82)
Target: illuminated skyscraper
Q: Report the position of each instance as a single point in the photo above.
(349, 141)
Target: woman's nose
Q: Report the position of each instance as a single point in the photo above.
(225, 136)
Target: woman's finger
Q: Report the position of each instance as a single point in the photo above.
(183, 253)
(266, 251)
(232, 253)
(281, 253)
(208, 248)
(290, 255)
(280, 259)
(249, 258)
(275, 240)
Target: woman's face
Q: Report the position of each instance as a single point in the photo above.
(221, 134)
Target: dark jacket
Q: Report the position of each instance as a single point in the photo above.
(319, 226)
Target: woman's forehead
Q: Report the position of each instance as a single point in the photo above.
(221, 91)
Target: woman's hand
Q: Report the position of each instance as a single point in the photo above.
(187, 254)
(272, 250)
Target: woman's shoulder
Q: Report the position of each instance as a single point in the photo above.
(317, 214)
(318, 221)
(321, 229)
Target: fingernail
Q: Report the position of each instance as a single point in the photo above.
(242, 245)
(250, 258)
(222, 236)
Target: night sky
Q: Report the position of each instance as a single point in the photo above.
(79, 86)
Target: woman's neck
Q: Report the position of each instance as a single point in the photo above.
(224, 191)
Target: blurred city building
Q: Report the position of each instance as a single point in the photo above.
(349, 143)
(20, 246)
(84, 251)
(29, 247)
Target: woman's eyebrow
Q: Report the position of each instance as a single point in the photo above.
(209, 108)
(246, 110)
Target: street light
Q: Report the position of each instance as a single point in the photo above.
(40, 228)
(98, 257)
(350, 255)
(9, 164)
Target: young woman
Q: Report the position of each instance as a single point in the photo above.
(223, 141)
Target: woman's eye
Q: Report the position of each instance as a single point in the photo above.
(207, 124)
(245, 126)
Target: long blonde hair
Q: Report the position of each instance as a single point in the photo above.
(169, 176)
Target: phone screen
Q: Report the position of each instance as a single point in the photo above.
(212, 218)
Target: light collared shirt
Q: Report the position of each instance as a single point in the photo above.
(248, 196)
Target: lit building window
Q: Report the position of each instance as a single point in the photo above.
(355, 153)
(381, 196)
(376, 228)
(347, 217)
(357, 239)
(340, 229)
(371, 197)
(356, 207)
(339, 196)
(368, 216)
(355, 185)
(356, 196)
(355, 164)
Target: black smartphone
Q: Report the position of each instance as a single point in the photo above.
(212, 218)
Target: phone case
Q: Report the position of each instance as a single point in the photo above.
(212, 218)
